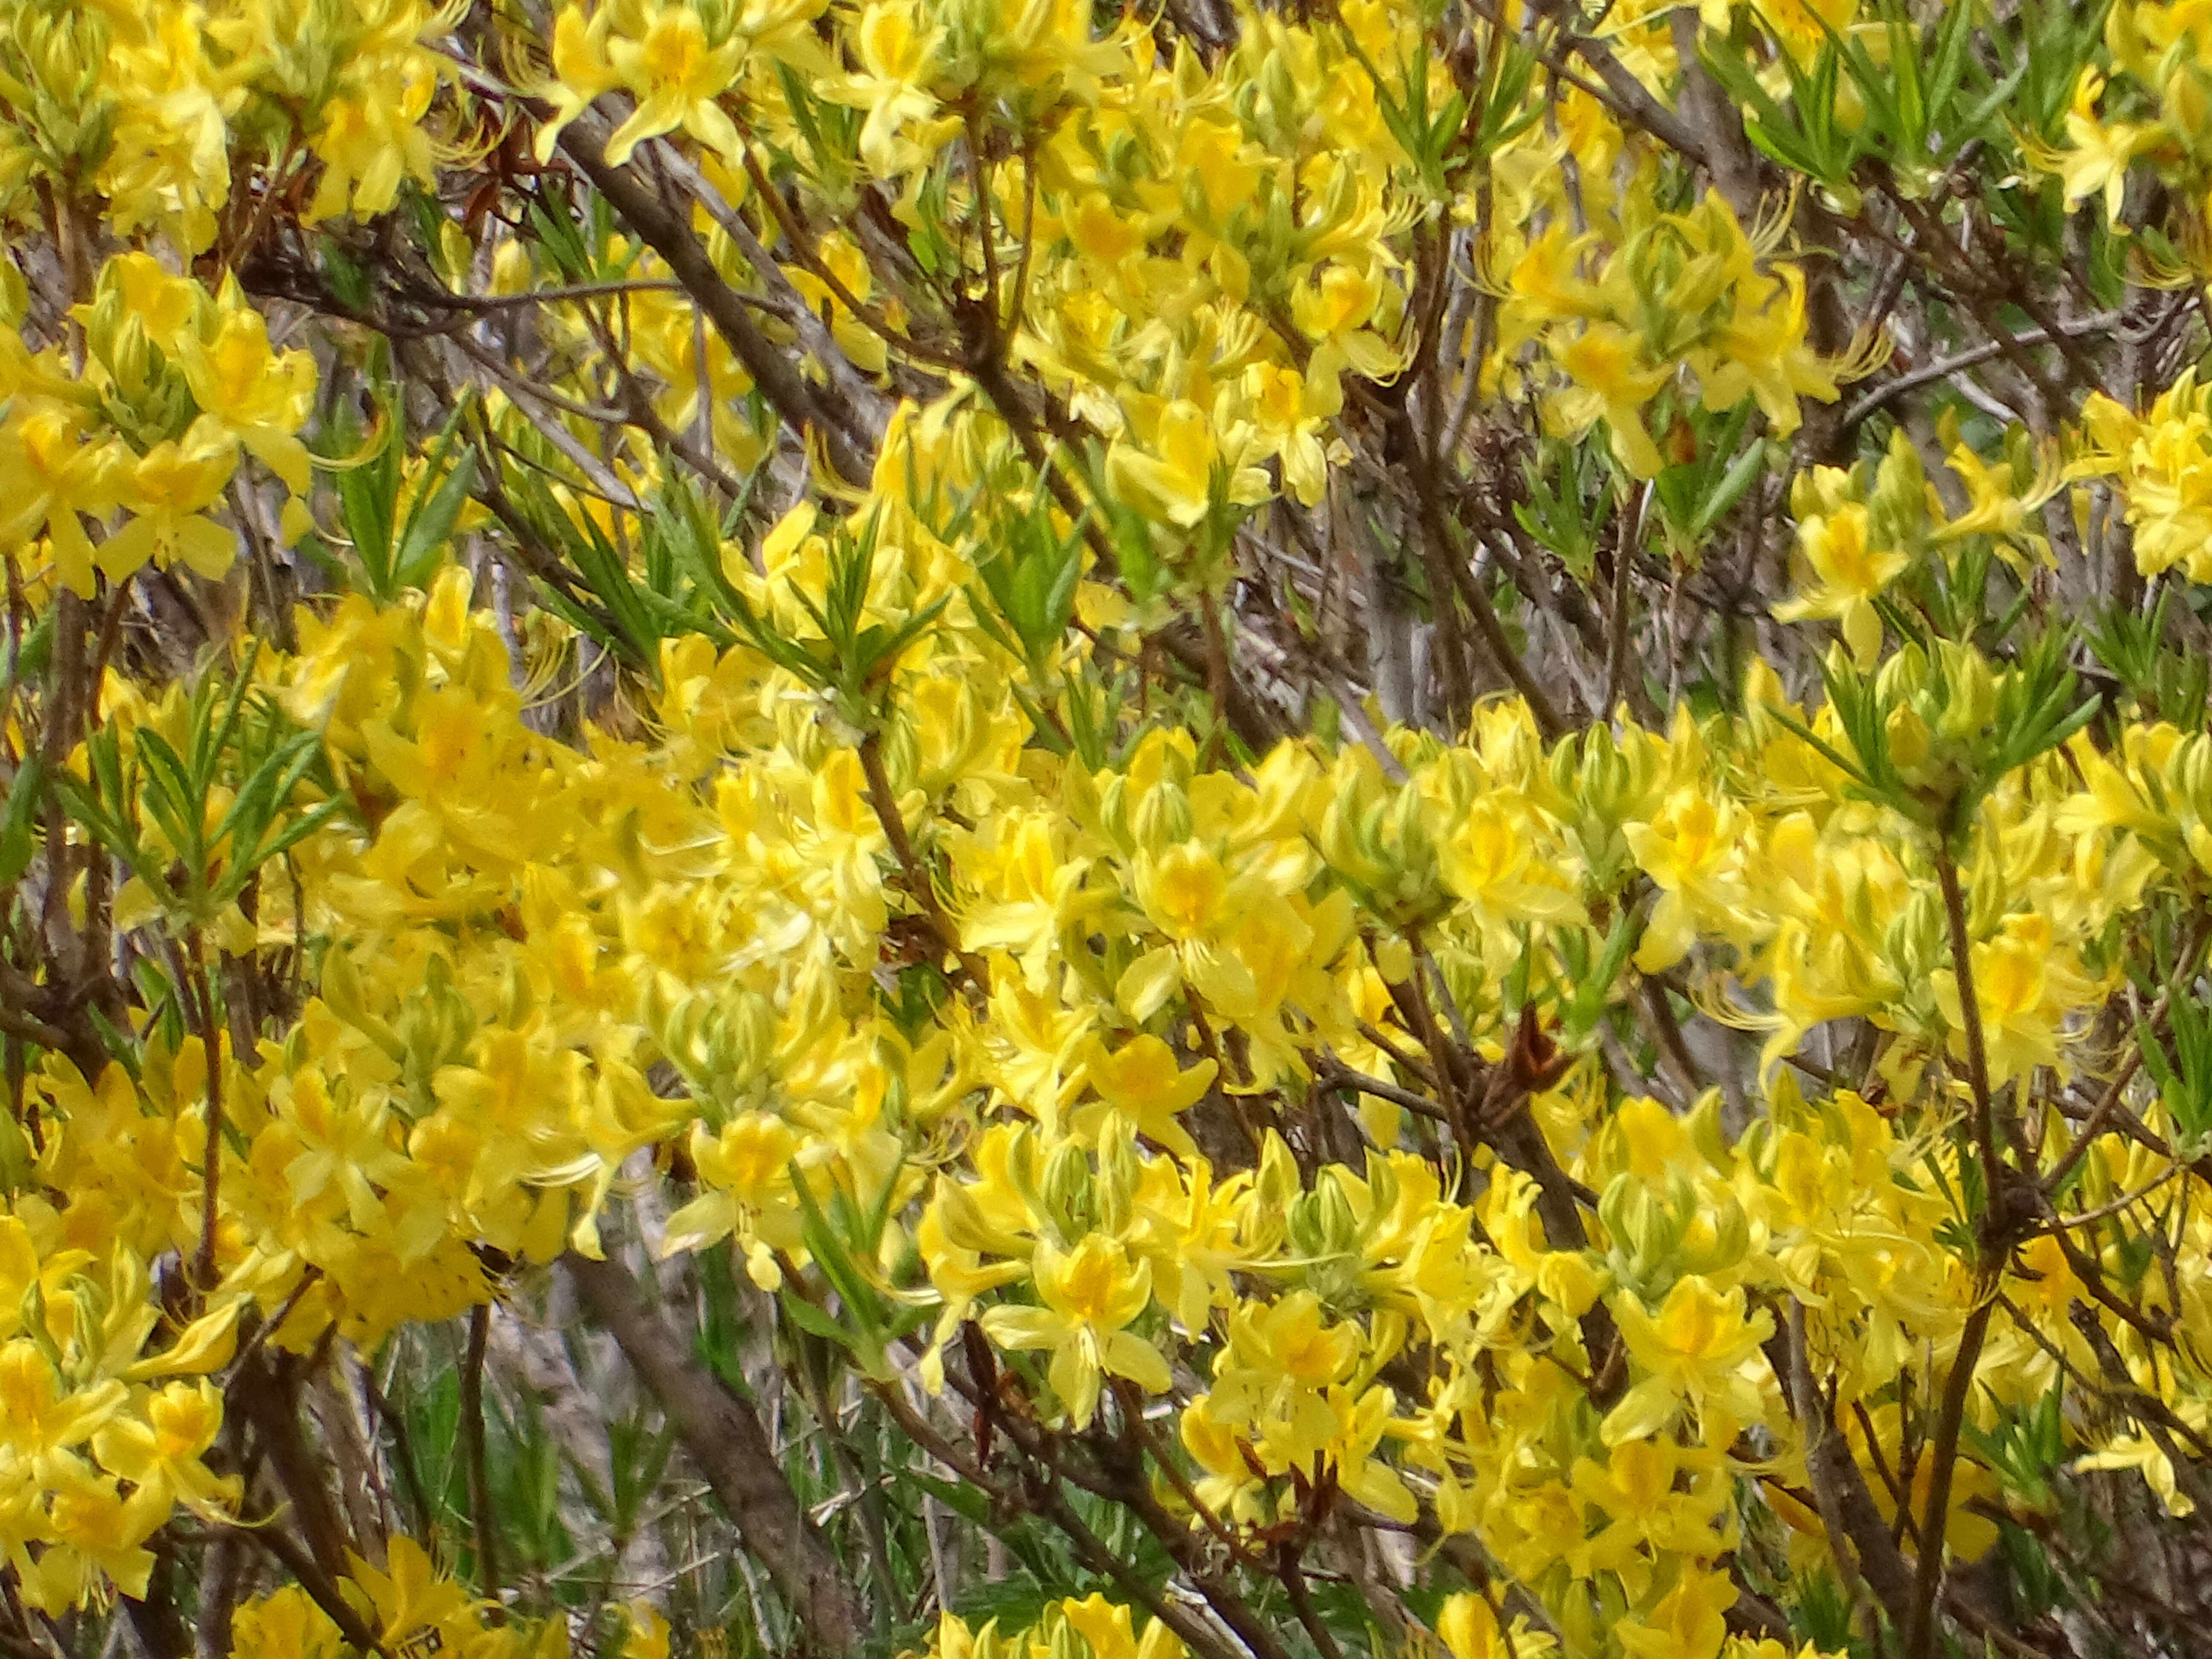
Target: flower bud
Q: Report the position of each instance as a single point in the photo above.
(1164, 816)
(1068, 1192)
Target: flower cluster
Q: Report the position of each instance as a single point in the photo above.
(806, 720)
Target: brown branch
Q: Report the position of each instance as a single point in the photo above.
(913, 876)
(198, 991)
(663, 229)
(482, 1521)
(1970, 1022)
(1846, 1507)
(1920, 1637)
(321, 1586)
(1549, 725)
(726, 1440)
(1328, 1069)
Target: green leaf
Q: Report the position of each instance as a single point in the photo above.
(1730, 490)
(430, 521)
(19, 817)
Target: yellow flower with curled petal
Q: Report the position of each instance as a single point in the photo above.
(1185, 469)
(371, 137)
(1274, 1377)
(1612, 381)
(2146, 1455)
(896, 48)
(97, 1531)
(37, 1417)
(163, 305)
(1184, 889)
(747, 1171)
(1656, 1497)
(59, 472)
(410, 1602)
(2163, 460)
(162, 1453)
(170, 164)
(171, 487)
(1291, 413)
(2024, 990)
(285, 1624)
(581, 72)
(1143, 1078)
(677, 75)
(256, 395)
(1690, 1621)
(1494, 859)
(1692, 1352)
(2098, 152)
(1029, 891)
(1544, 284)
(1468, 1628)
(1343, 310)
(948, 1236)
(1222, 165)
(1090, 1295)
(1761, 351)
(1849, 575)
(1691, 850)
(1110, 1631)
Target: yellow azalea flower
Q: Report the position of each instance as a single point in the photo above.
(1612, 381)
(2024, 989)
(1848, 575)
(1346, 312)
(1690, 848)
(1655, 1496)
(1184, 889)
(371, 139)
(57, 475)
(285, 1624)
(1690, 1621)
(170, 488)
(1546, 283)
(1110, 1631)
(1761, 351)
(1997, 505)
(2144, 1453)
(1143, 1079)
(2163, 461)
(581, 71)
(1470, 1628)
(38, 1417)
(162, 1453)
(410, 1602)
(162, 305)
(1274, 1378)
(1186, 469)
(896, 47)
(1091, 1294)
(2097, 153)
(747, 1171)
(1291, 414)
(1692, 1352)
(677, 75)
(258, 396)
(98, 1531)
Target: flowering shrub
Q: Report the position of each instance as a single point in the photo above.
(1034, 832)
